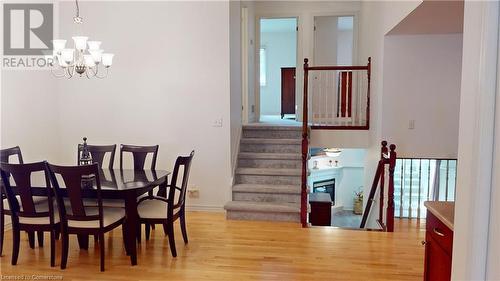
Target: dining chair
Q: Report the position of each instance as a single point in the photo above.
(5, 157)
(166, 211)
(98, 152)
(29, 215)
(139, 154)
(76, 218)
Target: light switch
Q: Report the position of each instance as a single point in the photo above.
(218, 123)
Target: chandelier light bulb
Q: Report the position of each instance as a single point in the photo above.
(94, 45)
(107, 59)
(58, 45)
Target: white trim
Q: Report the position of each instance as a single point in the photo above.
(236, 151)
(244, 65)
(492, 269)
(205, 208)
(476, 138)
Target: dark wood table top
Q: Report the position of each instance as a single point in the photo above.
(320, 197)
(113, 181)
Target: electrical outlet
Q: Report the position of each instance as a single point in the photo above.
(411, 124)
(194, 193)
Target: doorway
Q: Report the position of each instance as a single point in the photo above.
(277, 63)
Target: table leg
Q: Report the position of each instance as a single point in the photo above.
(132, 220)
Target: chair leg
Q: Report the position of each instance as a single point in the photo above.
(39, 235)
(65, 248)
(52, 248)
(148, 230)
(57, 233)
(96, 238)
(183, 226)
(16, 237)
(31, 239)
(153, 226)
(165, 229)
(101, 244)
(171, 239)
(124, 236)
(2, 226)
(139, 229)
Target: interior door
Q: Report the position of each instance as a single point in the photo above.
(287, 91)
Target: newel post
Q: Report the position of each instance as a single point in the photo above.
(390, 196)
(383, 152)
(368, 73)
(305, 148)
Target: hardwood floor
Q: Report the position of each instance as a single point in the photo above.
(239, 250)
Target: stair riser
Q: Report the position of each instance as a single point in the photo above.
(272, 134)
(266, 197)
(269, 163)
(265, 179)
(263, 216)
(271, 148)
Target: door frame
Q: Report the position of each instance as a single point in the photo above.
(298, 50)
(244, 65)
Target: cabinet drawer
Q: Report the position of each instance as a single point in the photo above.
(439, 232)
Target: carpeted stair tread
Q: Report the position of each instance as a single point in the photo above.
(267, 188)
(264, 207)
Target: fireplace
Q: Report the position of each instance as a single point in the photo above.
(325, 186)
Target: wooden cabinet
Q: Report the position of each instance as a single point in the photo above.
(438, 250)
(287, 91)
(321, 209)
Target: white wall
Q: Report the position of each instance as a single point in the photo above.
(281, 50)
(29, 114)
(422, 76)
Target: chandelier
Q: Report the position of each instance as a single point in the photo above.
(85, 58)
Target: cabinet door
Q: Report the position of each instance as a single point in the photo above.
(437, 261)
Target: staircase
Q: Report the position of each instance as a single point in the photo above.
(268, 177)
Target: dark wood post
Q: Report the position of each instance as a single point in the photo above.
(390, 195)
(305, 148)
(383, 152)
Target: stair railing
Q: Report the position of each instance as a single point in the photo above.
(387, 160)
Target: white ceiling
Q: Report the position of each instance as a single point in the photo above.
(278, 25)
(433, 17)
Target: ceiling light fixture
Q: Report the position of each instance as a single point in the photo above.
(80, 59)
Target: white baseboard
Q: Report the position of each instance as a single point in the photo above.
(205, 208)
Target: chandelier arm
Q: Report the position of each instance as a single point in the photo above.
(103, 76)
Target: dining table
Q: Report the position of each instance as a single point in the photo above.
(123, 184)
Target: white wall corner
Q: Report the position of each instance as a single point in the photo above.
(476, 138)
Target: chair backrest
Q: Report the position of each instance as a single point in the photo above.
(75, 179)
(5, 154)
(98, 152)
(185, 163)
(139, 154)
(21, 176)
